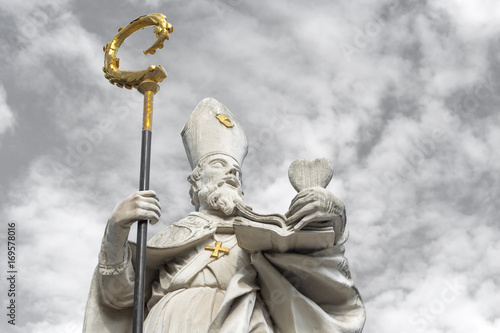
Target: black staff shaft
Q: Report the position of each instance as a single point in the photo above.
(148, 89)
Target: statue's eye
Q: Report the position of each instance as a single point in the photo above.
(217, 164)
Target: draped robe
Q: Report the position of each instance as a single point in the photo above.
(188, 291)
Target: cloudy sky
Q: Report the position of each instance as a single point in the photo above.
(401, 96)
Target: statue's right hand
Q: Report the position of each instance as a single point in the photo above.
(141, 205)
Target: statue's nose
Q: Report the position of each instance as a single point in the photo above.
(234, 172)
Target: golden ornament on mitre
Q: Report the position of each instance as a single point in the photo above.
(213, 129)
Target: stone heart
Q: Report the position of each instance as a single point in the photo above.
(305, 174)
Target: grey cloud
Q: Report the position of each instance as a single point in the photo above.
(405, 120)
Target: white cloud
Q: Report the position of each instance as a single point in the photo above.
(55, 236)
(7, 120)
(474, 19)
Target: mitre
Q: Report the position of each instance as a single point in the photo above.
(213, 129)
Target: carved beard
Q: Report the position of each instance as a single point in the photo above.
(220, 195)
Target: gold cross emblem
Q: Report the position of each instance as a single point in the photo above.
(217, 248)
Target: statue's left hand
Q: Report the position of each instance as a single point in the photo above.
(315, 205)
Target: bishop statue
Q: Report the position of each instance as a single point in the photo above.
(225, 268)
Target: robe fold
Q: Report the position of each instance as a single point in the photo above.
(189, 291)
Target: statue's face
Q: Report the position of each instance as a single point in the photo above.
(222, 168)
(219, 185)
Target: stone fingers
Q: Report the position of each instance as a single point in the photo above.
(299, 196)
(302, 212)
(314, 217)
(148, 211)
(299, 203)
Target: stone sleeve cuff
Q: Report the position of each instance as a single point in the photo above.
(106, 268)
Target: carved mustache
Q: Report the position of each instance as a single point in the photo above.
(230, 180)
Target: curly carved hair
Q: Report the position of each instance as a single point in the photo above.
(193, 179)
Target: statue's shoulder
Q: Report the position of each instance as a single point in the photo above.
(190, 228)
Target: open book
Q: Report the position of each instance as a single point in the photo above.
(256, 232)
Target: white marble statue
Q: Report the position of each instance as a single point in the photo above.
(224, 268)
